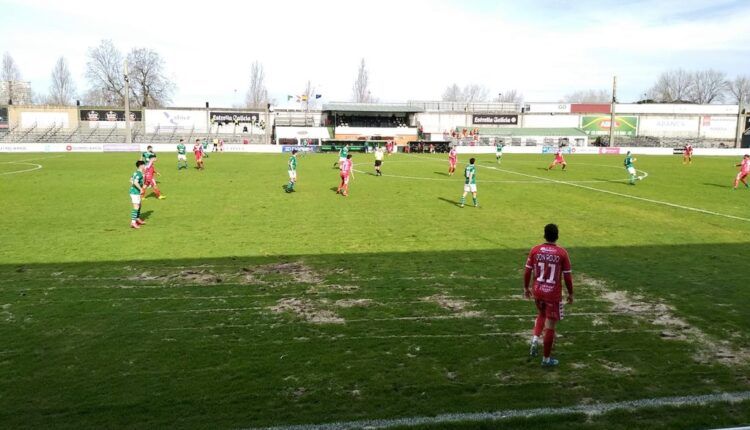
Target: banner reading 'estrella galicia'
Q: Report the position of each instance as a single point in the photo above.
(231, 117)
(94, 115)
(479, 119)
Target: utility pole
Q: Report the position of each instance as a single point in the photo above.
(740, 123)
(612, 112)
(128, 134)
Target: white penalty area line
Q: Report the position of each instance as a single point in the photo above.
(614, 193)
(592, 409)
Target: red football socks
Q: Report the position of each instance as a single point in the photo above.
(549, 338)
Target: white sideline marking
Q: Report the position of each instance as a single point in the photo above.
(614, 193)
(595, 409)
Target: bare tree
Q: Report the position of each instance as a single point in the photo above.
(739, 89)
(470, 93)
(708, 86)
(361, 89)
(11, 85)
(476, 93)
(148, 80)
(672, 86)
(453, 93)
(62, 89)
(509, 96)
(257, 94)
(105, 75)
(588, 96)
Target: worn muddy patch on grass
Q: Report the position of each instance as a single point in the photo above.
(658, 313)
(307, 310)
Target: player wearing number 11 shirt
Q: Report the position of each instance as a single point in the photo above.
(549, 264)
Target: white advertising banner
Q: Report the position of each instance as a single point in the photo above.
(174, 119)
(547, 107)
(679, 109)
(718, 127)
(44, 119)
(550, 121)
(667, 126)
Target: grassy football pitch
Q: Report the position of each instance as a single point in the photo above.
(239, 305)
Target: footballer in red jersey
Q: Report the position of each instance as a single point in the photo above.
(744, 171)
(149, 157)
(687, 154)
(198, 152)
(549, 264)
(558, 160)
(346, 173)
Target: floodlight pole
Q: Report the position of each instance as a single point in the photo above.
(612, 112)
(128, 135)
(740, 123)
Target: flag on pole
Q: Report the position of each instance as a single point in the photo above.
(288, 98)
(317, 96)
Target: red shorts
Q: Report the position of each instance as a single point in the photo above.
(149, 182)
(550, 310)
(198, 157)
(742, 175)
(344, 178)
(559, 161)
(452, 163)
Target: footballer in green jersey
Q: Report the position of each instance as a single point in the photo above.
(499, 151)
(343, 152)
(470, 183)
(628, 163)
(181, 155)
(136, 188)
(149, 157)
(292, 166)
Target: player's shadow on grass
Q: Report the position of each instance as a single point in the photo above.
(709, 184)
(453, 202)
(146, 215)
(441, 173)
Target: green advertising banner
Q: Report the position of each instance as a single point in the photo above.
(599, 125)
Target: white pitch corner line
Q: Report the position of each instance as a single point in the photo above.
(588, 409)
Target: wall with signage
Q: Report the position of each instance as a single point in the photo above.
(437, 122)
(107, 118)
(167, 120)
(599, 125)
(669, 126)
(237, 122)
(547, 107)
(550, 121)
(43, 117)
(718, 127)
(495, 119)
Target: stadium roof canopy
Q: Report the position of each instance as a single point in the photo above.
(371, 107)
(487, 131)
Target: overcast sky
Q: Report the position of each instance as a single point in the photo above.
(413, 49)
